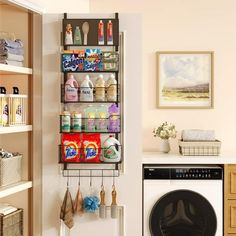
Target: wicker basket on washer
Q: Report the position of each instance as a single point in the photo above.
(12, 224)
(10, 170)
(199, 148)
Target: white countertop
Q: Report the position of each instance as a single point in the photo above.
(175, 158)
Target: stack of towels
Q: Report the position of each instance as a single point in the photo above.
(11, 52)
(198, 135)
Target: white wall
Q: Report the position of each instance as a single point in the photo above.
(128, 184)
(61, 6)
(186, 25)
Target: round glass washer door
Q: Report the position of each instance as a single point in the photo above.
(182, 213)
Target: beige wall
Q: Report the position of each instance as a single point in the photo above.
(185, 25)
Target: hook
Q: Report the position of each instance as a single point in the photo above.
(90, 179)
(79, 179)
(113, 185)
(67, 184)
(102, 186)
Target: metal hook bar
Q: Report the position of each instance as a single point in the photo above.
(79, 178)
(90, 178)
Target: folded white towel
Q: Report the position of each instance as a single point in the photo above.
(198, 135)
(11, 57)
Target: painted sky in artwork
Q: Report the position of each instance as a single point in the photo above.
(184, 70)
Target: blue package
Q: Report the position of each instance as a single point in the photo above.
(93, 59)
(73, 61)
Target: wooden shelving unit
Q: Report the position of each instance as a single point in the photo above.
(15, 188)
(15, 129)
(13, 70)
(25, 139)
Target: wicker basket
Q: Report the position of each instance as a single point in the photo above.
(196, 148)
(12, 224)
(10, 170)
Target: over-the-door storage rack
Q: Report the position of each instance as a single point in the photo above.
(94, 169)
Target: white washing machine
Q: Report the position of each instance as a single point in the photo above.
(182, 200)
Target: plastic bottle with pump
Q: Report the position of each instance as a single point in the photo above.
(86, 90)
(4, 111)
(111, 86)
(111, 150)
(71, 89)
(100, 89)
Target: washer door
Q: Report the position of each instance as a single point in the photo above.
(182, 213)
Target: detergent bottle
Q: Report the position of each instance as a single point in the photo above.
(100, 89)
(16, 107)
(4, 111)
(71, 89)
(111, 86)
(111, 150)
(86, 90)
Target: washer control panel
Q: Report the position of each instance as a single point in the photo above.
(157, 172)
(196, 173)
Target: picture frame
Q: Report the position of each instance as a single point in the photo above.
(185, 79)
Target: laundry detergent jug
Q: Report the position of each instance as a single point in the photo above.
(71, 89)
(111, 150)
(86, 90)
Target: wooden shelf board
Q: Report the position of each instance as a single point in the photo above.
(8, 70)
(14, 188)
(15, 129)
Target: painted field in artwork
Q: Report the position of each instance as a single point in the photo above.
(195, 93)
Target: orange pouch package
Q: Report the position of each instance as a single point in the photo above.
(91, 147)
(71, 145)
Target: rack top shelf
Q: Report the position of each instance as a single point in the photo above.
(11, 70)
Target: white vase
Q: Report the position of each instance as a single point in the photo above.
(165, 145)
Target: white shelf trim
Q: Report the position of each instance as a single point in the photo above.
(175, 158)
(28, 5)
(8, 69)
(15, 129)
(15, 188)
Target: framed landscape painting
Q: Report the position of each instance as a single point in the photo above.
(185, 79)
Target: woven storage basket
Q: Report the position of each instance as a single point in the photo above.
(12, 224)
(10, 170)
(196, 148)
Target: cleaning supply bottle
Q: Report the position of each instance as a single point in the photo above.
(77, 36)
(89, 118)
(111, 87)
(114, 118)
(71, 89)
(111, 150)
(100, 33)
(102, 118)
(4, 111)
(86, 90)
(109, 33)
(16, 107)
(100, 89)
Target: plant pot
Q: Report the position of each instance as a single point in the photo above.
(165, 145)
